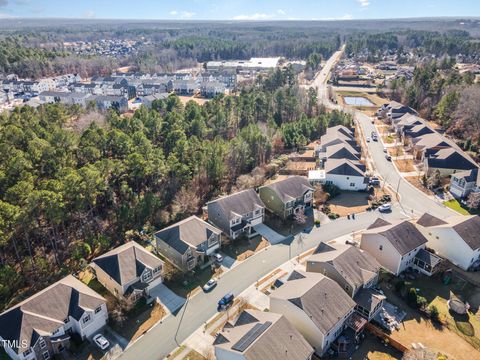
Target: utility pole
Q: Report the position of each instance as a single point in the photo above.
(181, 318)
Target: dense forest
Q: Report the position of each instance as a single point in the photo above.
(417, 44)
(440, 93)
(67, 194)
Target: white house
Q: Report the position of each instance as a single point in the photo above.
(346, 174)
(464, 182)
(456, 238)
(316, 305)
(128, 270)
(41, 326)
(397, 246)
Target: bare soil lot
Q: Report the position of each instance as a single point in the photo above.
(404, 165)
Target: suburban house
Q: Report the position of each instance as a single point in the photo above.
(464, 182)
(447, 161)
(433, 141)
(355, 270)
(342, 151)
(287, 197)
(40, 326)
(336, 135)
(397, 246)
(315, 305)
(352, 268)
(408, 121)
(418, 130)
(456, 238)
(346, 174)
(261, 335)
(237, 213)
(128, 270)
(188, 243)
(394, 111)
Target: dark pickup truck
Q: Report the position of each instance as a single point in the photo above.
(226, 300)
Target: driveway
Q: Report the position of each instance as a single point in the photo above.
(268, 233)
(169, 300)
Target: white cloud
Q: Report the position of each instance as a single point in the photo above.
(256, 16)
(281, 12)
(187, 14)
(182, 14)
(89, 14)
(364, 3)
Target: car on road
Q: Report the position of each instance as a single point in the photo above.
(384, 149)
(209, 285)
(387, 207)
(388, 157)
(226, 301)
(368, 139)
(218, 257)
(375, 138)
(101, 341)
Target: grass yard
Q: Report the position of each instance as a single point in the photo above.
(458, 337)
(417, 182)
(457, 206)
(404, 165)
(193, 355)
(389, 139)
(146, 317)
(349, 202)
(189, 283)
(242, 249)
(396, 151)
(373, 348)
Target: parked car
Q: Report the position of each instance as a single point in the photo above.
(374, 138)
(385, 208)
(368, 139)
(101, 341)
(388, 157)
(226, 300)
(374, 181)
(384, 149)
(218, 257)
(209, 285)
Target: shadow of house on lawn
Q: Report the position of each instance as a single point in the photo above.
(289, 226)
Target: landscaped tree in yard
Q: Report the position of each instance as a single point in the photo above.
(473, 201)
(300, 217)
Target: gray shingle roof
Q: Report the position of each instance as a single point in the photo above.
(187, 233)
(428, 258)
(291, 188)
(357, 267)
(469, 230)
(342, 150)
(239, 203)
(127, 262)
(280, 340)
(44, 312)
(472, 175)
(427, 220)
(344, 167)
(368, 299)
(321, 298)
(403, 235)
(449, 158)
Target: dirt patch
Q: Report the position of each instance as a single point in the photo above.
(193, 355)
(404, 165)
(186, 99)
(242, 250)
(301, 165)
(396, 151)
(349, 203)
(135, 326)
(417, 182)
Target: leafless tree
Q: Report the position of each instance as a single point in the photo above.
(185, 202)
(473, 201)
(300, 217)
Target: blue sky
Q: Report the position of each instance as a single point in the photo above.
(238, 9)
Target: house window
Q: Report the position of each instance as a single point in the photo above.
(86, 319)
(380, 247)
(27, 352)
(98, 309)
(257, 212)
(46, 355)
(352, 184)
(55, 332)
(43, 344)
(66, 320)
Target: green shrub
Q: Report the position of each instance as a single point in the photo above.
(332, 190)
(433, 312)
(412, 297)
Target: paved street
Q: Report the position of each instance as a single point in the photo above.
(163, 338)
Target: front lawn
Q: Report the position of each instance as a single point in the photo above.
(242, 248)
(458, 207)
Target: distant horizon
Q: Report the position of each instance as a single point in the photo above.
(237, 10)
